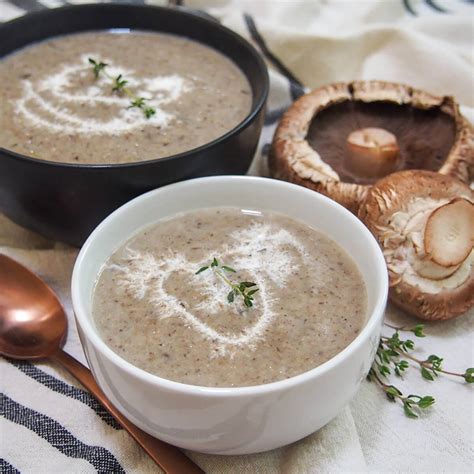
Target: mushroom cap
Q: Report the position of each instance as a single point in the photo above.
(396, 210)
(315, 128)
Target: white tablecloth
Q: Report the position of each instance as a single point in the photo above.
(50, 425)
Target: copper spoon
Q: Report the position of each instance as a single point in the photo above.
(33, 325)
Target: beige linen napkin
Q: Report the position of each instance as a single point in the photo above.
(320, 41)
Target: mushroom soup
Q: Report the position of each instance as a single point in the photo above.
(104, 97)
(225, 297)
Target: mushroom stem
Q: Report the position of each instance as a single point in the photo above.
(372, 152)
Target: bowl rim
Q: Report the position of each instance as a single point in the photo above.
(249, 118)
(373, 321)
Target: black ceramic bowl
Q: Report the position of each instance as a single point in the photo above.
(66, 201)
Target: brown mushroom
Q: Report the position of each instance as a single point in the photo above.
(424, 222)
(342, 138)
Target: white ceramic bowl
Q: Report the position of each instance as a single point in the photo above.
(231, 420)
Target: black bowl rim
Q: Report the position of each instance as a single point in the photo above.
(255, 110)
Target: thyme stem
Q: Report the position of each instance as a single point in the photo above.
(223, 277)
(423, 363)
(397, 328)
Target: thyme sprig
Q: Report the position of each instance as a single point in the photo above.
(119, 85)
(244, 289)
(393, 356)
(411, 404)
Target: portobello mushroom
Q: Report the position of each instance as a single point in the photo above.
(424, 223)
(342, 138)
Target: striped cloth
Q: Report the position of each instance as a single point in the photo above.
(50, 424)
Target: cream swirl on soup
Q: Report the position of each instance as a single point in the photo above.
(45, 102)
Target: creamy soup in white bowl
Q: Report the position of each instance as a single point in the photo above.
(165, 302)
(225, 297)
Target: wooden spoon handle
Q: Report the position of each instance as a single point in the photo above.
(168, 457)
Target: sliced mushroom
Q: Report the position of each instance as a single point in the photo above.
(449, 233)
(424, 222)
(342, 138)
(432, 271)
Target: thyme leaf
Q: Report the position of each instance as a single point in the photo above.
(119, 83)
(149, 111)
(97, 67)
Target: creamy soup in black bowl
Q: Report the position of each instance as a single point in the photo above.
(181, 96)
(118, 97)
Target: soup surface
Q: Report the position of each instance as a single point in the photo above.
(53, 107)
(153, 309)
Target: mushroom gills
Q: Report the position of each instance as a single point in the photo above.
(424, 138)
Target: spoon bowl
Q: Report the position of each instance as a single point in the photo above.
(33, 324)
